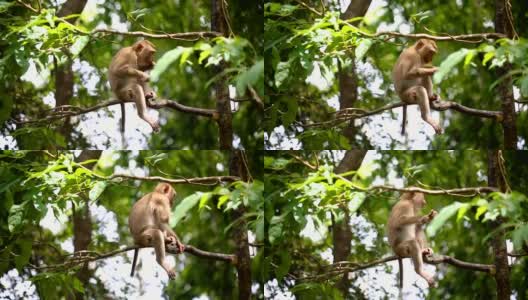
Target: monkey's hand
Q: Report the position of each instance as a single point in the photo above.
(430, 216)
(427, 251)
(181, 246)
(433, 97)
(142, 76)
(429, 71)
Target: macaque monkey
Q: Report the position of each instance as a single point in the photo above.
(128, 79)
(412, 79)
(406, 234)
(149, 224)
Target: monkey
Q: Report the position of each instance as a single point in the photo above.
(406, 234)
(149, 225)
(128, 79)
(411, 76)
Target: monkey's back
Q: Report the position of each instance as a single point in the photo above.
(399, 233)
(408, 59)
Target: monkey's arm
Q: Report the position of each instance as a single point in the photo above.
(407, 220)
(420, 72)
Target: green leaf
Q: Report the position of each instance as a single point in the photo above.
(183, 207)
(16, 216)
(520, 237)
(449, 63)
(469, 56)
(185, 55)
(250, 78)
(362, 48)
(274, 233)
(79, 45)
(282, 72)
(163, 63)
(22, 257)
(444, 214)
(284, 264)
(524, 86)
(97, 190)
(259, 229)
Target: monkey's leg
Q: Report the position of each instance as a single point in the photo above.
(423, 101)
(416, 256)
(136, 91)
(155, 238)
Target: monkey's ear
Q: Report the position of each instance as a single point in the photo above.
(420, 44)
(138, 46)
(166, 189)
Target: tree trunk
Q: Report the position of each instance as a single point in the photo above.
(223, 105)
(64, 73)
(505, 89)
(498, 242)
(240, 236)
(341, 232)
(348, 80)
(82, 225)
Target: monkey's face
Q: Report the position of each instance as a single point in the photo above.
(146, 59)
(427, 49)
(419, 200)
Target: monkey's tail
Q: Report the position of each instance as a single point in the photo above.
(400, 265)
(404, 118)
(134, 262)
(122, 117)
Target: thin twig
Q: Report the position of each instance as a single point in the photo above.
(210, 180)
(178, 36)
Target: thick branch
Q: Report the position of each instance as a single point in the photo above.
(176, 36)
(210, 180)
(65, 111)
(82, 257)
(343, 267)
(348, 114)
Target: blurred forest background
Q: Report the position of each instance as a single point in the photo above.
(57, 203)
(329, 210)
(55, 58)
(323, 57)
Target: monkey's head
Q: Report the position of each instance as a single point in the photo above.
(167, 190)
(426, 49)
(417, 198)
(145, 55)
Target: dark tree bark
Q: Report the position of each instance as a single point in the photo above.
(82, 225)
(223, 105)
(498, 241)
(341, 232)
(237, 168)
(348, 79)
(64, 74)
(505, 89)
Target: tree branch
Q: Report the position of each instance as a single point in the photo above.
(343, 267)
(466, 38)
(459, 192)
(82, 257)
(349, 114)
(210, 180)
(65, 111)
(174, 36)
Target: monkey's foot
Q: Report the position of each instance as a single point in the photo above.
(428, 277)
(171, 274)
(155, 126)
